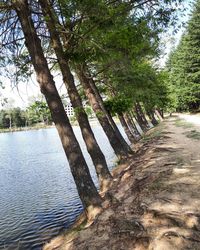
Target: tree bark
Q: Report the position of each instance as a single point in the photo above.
(86, 188)
(132, 117)
(152, 118)
(158, 115)
(141, 119)
(132, 126)
(126, 129)
(142, 115)
(93, 148)
(109, 117)
(161, 113)
(101, 116)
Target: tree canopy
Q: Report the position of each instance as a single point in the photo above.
(184, 65)
(108, 45)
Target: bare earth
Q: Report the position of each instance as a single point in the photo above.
(155, 199)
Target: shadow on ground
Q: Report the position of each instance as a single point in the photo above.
(154, 202)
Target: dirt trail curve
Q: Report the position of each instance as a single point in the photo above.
(155, 197)
(176, 205)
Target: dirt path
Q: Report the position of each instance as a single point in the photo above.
(155, 199)
(176, 205)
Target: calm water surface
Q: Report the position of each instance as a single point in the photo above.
(38, 197)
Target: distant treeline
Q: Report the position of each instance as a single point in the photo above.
(183, 67)
(37, 112)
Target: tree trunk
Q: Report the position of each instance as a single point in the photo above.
(93, 148)
(161, 113)
(10, 122)
(131, 125)
(134, 124)
(158, 115)
(142, 115)
(132, 117)
(139, 119)
(152, 118)
(86, 188)
(114, 141)
(109, 116)
(126, 129)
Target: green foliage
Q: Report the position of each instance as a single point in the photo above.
(14, 117)
(38, 112)
(99, 114)
(184, 65)
(78, 110)
(89, 111)
(116, 40)
(118, 104)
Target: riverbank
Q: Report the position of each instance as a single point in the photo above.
(36, 127)
(154, 202)
(93, 122)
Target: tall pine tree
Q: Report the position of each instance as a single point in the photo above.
(192, 56)
(184, 65)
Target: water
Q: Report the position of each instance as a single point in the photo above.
(38, 197)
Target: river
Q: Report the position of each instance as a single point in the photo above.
(38, 197)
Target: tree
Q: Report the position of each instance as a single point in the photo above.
(184, 66)
(93, 148)
(86, 189)
(18, 118)
(4, 121)
(63, 59)
(39, 112)
(89, 39)
(192, 57)
(13, 117)
(121, 150)
(75, 37)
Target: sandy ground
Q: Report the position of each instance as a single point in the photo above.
(154, 202)
(195, 119)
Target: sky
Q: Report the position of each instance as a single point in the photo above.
(25, 92)
(171, 39)
(20, 96)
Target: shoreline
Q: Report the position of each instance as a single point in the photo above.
(93, 122)
(8, 130)
(141, 210)
(81, 224)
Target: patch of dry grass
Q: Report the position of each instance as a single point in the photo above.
(183, 123)
(193, 134)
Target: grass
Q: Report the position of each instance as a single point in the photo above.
(156, 133)
(156, 185)
(182, 123)
(80, 227)
(179, 161)
(193, 134)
